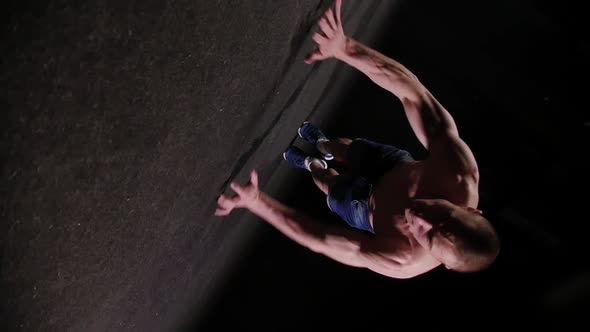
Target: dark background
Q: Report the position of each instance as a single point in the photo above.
(122, 122)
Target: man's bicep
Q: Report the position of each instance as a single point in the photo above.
(359, 249)
(427, 117)
(343, 245)
(450, 148)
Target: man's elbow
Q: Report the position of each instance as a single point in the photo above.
(407, 90)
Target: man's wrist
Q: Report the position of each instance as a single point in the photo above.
(256, 202)
(344, 53)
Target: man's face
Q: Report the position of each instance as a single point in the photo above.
(432, 223)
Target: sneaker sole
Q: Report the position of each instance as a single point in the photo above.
(299, 130)
(324, 164)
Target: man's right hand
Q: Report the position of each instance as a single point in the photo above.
(333, 42)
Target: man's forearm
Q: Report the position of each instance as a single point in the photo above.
(426, 115)
(378, 67)
(288, 221)
(335, 242)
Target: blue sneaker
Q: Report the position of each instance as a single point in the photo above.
(296, 157)
(313, 135)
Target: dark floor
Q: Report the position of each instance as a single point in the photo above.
(123, 122)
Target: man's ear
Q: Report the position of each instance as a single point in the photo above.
(477, 211)
(423, 224)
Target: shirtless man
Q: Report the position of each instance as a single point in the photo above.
(410, 216)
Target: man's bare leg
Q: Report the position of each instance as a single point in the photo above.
(336, 146)
(323, 178)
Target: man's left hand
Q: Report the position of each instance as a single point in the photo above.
(246, 196)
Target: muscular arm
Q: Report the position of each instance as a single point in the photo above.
(338, 243)
(426, 115)
(431, 122)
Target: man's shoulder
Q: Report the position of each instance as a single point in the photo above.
(442, 178)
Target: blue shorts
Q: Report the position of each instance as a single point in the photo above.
(368, 161)
(371, 159)
(350, 200)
